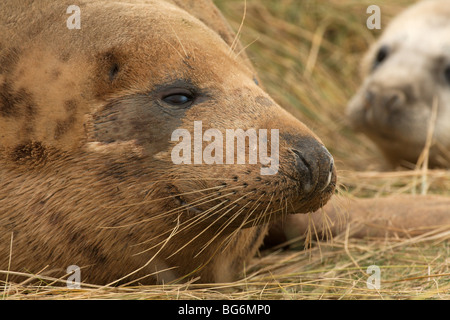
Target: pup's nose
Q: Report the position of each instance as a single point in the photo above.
(386, 99)
(314, 165)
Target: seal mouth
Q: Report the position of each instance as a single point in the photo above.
(321, 185)
(328, 181)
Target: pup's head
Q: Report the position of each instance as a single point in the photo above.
(407, 72)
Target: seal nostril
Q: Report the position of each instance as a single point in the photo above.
(392, 100)
(304, 169)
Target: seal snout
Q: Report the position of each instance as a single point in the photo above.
(314, 165)
(388, 99)
(379, 106)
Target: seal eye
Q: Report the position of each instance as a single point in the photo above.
(382, 54)
(178, 99)
(447, 74)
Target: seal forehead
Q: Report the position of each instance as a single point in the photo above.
(155, 20)
(158, 43)
(427, 23)
(433, 41)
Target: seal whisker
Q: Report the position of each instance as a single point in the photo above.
(165, 198)
(262, 215)
(244, 222)
(228, 222)
(326, 225)
(173, 47)
(236, 38)
(179, 41)
(174, 231)
(203, 231)
(285, 204)
(246, 47)
(175, 210)
(209, 210)
(194, 220)
(223, 227)
(186, 224)
(273, 212)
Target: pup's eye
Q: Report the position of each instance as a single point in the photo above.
(178, 99)
(447, 74)
(382, 54)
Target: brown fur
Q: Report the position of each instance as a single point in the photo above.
(85, 171)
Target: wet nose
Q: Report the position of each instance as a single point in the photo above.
(314, 165)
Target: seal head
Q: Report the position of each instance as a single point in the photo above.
(87, 123)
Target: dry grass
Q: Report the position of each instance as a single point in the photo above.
(416, 268)
(307, 54)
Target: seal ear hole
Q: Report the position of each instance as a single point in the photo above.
(113, 71)
(381, 56)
